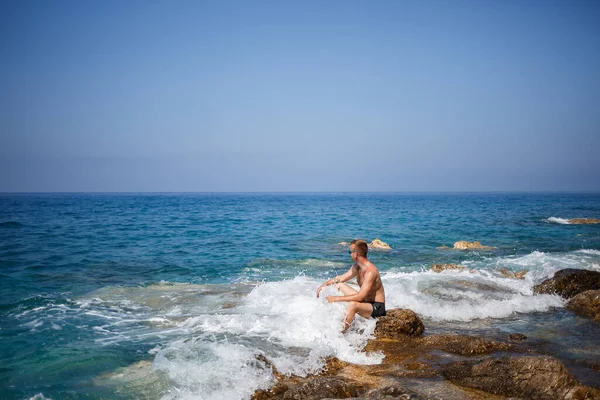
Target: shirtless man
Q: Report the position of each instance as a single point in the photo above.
(369, 301)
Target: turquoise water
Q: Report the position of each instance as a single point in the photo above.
(90, 282)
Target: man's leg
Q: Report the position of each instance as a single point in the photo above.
(363, 309)
(346, 289)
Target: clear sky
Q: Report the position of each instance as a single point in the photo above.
(477, 95)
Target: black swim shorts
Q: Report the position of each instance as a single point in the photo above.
(378, 309)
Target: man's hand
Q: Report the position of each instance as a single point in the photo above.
(332, 299)
(319, 290)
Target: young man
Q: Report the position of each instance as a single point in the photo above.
(369, 301)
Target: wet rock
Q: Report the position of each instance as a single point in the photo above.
(276, 392)
(465, 345)
(379, 245)
(394, 392)
(516, 336)
(444, 267)
(584, 221)
(399, 322)
(524, 377)
(586, 304)
(569, 282)
(321, 388)
(513, 274)
(464, 245)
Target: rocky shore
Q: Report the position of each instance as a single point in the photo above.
(451, 366)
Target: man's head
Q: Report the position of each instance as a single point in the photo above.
(358, 247)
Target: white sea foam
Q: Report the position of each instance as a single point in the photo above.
(558, 220)
(40, 396)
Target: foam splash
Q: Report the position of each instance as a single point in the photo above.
(556, 220)
(283, 321)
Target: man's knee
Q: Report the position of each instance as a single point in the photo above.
(352, 307)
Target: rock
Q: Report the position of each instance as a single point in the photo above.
(512, 274)
(465, 345)
(516, 336)
(379, 245)
(586, 304)
(524, 377)
(397, 323)
(584, 221)
(394, 392)
(569, 282)
(321, 388)
(443, 267)
(464, 245)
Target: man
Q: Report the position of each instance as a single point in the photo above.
(369, 301)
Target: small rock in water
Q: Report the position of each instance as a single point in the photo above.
(378, 244)
(584, 221)
(443, 267)
(512, 274)
(464, 245)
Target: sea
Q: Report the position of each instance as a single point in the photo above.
(177, 295)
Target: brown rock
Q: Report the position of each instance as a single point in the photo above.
(321, 388)
(569, 282)
(586, 304)
(399, 322)
(516, 336)
(512, 274)
(465, 345)
(378, 244)
(525, 377)
(443, 267)
(464, 245)
(584, 221)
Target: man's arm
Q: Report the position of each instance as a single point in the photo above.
(362, 293)
(351, 273)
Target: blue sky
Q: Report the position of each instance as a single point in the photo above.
(306, 95)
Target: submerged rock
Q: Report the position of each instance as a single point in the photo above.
(516, 336)
(444, 267)
(379, 245)
(399, 322)
(464, 245)
(586, 304)
(524, 377)
(513, 274)
(584, 221)
(569, 282)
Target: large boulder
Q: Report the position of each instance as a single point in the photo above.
(524, 377)
(586, 304)
(322, 387)
(398, 323)
(569, 282)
